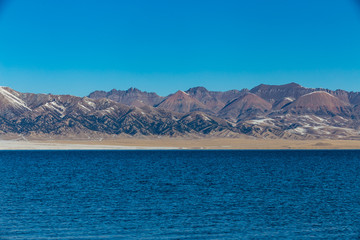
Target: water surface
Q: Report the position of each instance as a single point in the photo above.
(179, 194)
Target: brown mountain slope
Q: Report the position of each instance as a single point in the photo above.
(183, 103)
(206, 97)
(274, 93)
(247, 106)
(282, 103)
(215, 100)
(11, 103)
(319, 103)
(354, 98)
(229, 96)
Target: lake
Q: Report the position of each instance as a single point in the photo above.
(179, 194)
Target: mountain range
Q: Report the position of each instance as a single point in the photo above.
(267, 111)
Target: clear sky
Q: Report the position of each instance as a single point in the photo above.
(77, 46)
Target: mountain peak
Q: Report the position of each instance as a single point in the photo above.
(195, 90)
(281, 86)
(181, 92)
(130, 97)
(274, 93)
(132, 89)
(319, 102)
(245, 106)
(182, 102)
(293, 84)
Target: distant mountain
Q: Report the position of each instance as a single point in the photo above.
(266, 111)
(207, 98)
(275, 93)
(210, 101)
(214, 100)
(354, 98)
(64, 115)
(279, 104)
(286, 111)
(130, 97)
(245, 107)
(182, 102)
(319, 103)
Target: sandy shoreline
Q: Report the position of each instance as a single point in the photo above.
(45, 145)
(178, 143)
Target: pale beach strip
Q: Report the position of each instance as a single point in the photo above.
(179, 143)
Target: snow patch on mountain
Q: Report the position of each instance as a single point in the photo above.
(83, 107)
(14, 100)
(90, 103)
(56, 107)
(316, 92)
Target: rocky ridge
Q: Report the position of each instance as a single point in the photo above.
(266, 111)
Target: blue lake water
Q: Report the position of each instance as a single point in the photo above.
(179, 195)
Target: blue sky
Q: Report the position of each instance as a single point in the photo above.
(79, 46)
